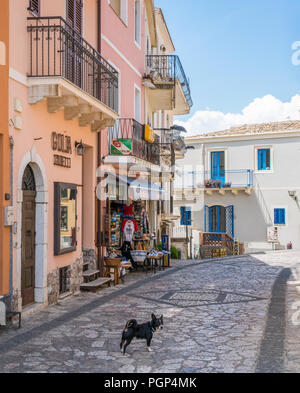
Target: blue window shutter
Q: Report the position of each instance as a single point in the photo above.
(279, 216)
(182, 214)
(263, 159)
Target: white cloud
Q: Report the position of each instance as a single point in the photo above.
(260, 110)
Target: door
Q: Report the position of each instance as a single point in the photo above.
(218, 166)
(219, 219)
(28, 247)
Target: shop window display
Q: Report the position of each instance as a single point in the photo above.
(65, 215)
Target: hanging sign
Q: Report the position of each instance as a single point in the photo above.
(121, 147)
(149, 134)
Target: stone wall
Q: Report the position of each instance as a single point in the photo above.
(89, 256)
(75, 279)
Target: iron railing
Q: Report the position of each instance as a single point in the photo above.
(240, 178)
(168, 69)
(57, 50)
(133, 130)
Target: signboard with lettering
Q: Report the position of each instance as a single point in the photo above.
(61, 143)
(121, 147)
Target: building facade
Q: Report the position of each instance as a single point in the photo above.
(76, 83)
(5, 190)
(243, 183)
(62, 93)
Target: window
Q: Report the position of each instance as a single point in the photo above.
(263, 159)
(279, 216)
(2, 53)
(137, 21)
(65, 218)
(34, 7)
(137, 104)
(64, 280)
(120, 8)
(186, 216)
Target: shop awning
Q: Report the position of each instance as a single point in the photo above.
(138, 189)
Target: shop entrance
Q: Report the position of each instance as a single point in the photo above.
(28, 237)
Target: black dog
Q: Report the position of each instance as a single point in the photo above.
(144, 332)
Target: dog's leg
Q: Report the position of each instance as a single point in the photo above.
(149, 345)
(121, 345)
(128, 341)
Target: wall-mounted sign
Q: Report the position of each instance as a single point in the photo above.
(273, 235)
(61, 142)
(121, 147)
(65, 162)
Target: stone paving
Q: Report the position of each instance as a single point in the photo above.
(216, 313)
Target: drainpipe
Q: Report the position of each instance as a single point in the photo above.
(100, 261)
(11, 142)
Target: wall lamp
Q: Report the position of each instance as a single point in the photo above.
(80, 149)
(293, 194)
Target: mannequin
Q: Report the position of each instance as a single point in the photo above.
(129, 227)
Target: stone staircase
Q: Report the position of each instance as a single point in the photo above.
(92, 281)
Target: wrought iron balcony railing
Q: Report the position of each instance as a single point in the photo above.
(57, 50)
(168, 68)
(132, 131)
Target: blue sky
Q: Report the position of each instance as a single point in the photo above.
(235, 51)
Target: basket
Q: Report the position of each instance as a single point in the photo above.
(139, 256)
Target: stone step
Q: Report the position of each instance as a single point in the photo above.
(96, 284)
(90, 273)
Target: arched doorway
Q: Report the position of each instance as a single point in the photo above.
(28, 236)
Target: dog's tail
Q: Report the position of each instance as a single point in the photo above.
(130, 324)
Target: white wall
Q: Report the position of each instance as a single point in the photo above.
(255, 213)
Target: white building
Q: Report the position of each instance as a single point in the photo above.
(243, 182)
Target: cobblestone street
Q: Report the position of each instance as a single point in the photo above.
(228, 315)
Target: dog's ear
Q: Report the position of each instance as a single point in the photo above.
(153, 317)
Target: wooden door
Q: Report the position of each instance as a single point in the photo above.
(28, 247)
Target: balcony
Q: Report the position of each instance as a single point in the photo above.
(168, 86)
(73, 76)
(127, 139)
(233, 181)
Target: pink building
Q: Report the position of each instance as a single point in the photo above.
(77, 84)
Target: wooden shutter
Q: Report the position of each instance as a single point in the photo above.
(34, 6)
(74, 14)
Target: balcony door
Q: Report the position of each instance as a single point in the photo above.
(218, 166)
(73, 49)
